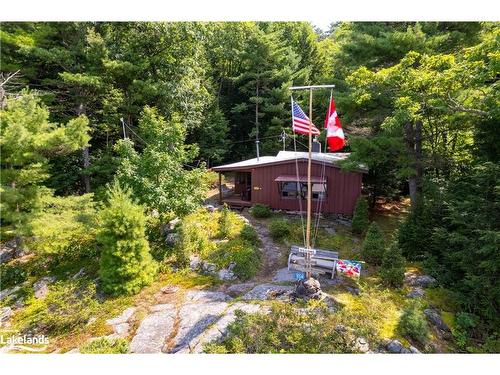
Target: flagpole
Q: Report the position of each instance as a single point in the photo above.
(331, 95)
(307, 255)
(308, 225)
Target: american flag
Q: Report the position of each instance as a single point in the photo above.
(300, 122)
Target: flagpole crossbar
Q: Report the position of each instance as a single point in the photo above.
(314, 87)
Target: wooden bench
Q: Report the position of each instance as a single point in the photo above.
(323, 261)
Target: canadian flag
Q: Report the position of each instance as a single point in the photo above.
(334, 132)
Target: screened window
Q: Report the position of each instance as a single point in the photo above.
(291, 189)
(318, 191)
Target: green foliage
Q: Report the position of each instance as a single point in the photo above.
(224, 222)
(386, 159)
(283, 330)
(212, 138)
(279, 229)
(193, 239)
(245, 255)
(416, 231)
(413, 324)
(448, 88)
(491, 344)
(211, 179)
(157, 175)
(249, 234)
(464, 323)
(455, 227)
(198, 230)
(411, 234)
(105, 346)
(360, 220)
(156, 237)
(184, 91)
(67, 306)
(195, 232)
(373, 246)
(126, 264)
(112, 70)
(12, 274)
(27, 140)
(374, 314)
(443, 299)
(260, 211)
(448, 91)
(66, 227)
(209, 73)
(266, 67)
(392, 269)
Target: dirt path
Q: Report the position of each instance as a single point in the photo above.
(273, 254)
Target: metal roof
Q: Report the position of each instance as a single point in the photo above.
(284, 156)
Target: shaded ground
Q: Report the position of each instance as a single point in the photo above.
(389, 214)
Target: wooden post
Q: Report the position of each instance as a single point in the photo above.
(220, 188)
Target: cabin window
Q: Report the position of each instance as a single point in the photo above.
(292, 189)
(318, 190)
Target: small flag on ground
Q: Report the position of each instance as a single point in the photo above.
(349, 268)
(300, 122)
(334, 132)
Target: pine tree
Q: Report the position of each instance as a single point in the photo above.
(392, 269)
(28, 140)
(224, 222)
(268, 68)
(126, 264)
(360, 219)
(373, 247)
(412, 323)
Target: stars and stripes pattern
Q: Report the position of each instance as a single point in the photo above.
(300, 122)
(349, 267)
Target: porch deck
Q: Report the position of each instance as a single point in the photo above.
(236, 202)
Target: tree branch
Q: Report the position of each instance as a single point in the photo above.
(460, 108)
(9, 77)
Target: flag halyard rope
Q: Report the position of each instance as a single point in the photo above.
(298, 186)
(319, 204)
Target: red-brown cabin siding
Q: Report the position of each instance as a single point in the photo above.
(343, 188)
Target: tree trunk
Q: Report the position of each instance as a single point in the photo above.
(18, 239)
(418, 156)
(86, 165)
(409, 135)
(2, 98)
(374, 196)
(86, 157)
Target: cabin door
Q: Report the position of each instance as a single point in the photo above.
(244, 185)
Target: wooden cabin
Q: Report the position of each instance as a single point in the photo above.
(273, 181)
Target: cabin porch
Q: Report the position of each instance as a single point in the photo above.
(240, 196)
